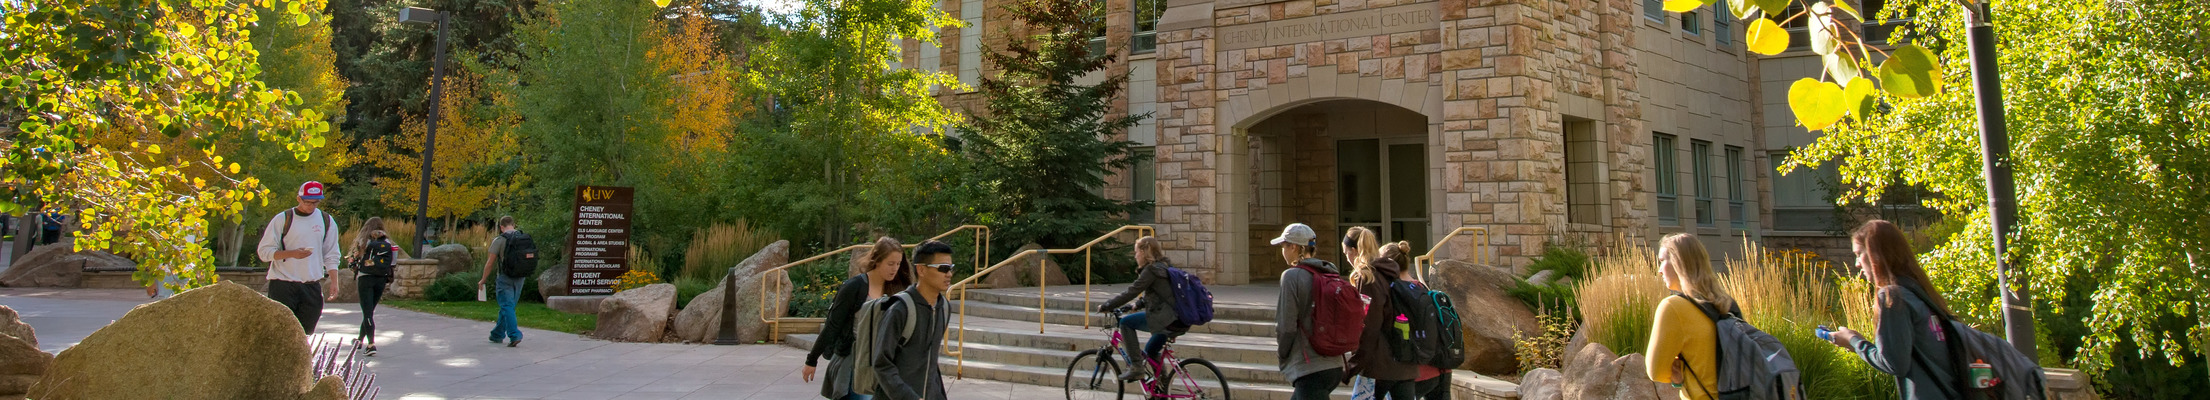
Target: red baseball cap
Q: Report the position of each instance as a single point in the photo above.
(311, 190)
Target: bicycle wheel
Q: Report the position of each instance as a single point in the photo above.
(1198, 379)
(1094, 376)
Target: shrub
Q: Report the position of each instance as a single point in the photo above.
(687, 288)
(1545, 348)
(458, 286)
(1570, 260)
(477, 238)
(636, 278)
(816, 285)
(1619, 299)
(715, 249)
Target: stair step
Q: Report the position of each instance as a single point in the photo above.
(1221, 310)
(1215, 347)
(1074, 317)
(1056, 378)
(1238, 372)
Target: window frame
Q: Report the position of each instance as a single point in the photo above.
(1144, 40)
(1699, 153)
(1663, 147)
(1737, 204)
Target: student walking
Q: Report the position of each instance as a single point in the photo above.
(516, 258)
(301, 256)
(1312, 372)
(1158, 317)
(887, 273)
(905, 363)
(1905, 303)
(372, 260)
(1373, 274)
(1684, 343)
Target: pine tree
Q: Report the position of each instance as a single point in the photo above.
(1045, 147)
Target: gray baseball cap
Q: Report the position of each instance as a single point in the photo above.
(1296, 233)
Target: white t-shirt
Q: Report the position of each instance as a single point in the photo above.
(308, 232)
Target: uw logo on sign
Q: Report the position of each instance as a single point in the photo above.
(591, 194)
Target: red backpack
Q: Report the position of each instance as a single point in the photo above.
(1338, 314)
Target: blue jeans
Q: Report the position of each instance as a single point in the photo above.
(1138, 322)
(509, 292)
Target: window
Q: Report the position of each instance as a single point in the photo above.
(1147, 14)
(1736, 204)
(1584, 185)
(1654, 10)
(1799, 28)
(1692, 23)
(1097, 29)
(1143, 184)
(1668, 185)
(1802, 199)
(1721, 22)
(970, 43)
(1876, 29)
(1700, 151)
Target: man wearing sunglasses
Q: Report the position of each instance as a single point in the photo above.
(909, 336)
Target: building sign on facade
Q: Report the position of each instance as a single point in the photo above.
(598, 246)
(1371, 22)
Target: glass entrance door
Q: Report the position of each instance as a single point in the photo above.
(1381, 184)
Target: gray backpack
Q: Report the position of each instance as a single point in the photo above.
(1752, 364)
(863, 339)
(2017, 377)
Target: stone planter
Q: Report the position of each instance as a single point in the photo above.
(411, 277)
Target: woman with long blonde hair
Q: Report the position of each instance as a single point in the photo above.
(887, 273)
(1360, 247)
(1156, 284)
(1684, 342)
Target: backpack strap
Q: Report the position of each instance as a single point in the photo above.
(287, 232)
(905, 299)
(1709, 311)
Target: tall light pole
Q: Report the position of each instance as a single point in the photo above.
(2002, 193)
(416, 15)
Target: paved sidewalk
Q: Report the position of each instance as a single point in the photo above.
(425, 356)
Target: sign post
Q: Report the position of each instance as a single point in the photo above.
(598, 242)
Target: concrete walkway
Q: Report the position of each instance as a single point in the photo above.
(425, 356)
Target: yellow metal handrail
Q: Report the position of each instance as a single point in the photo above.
(1042, 261)
(1478, 249)
(982, 252)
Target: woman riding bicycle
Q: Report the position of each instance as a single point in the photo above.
(1158, 315)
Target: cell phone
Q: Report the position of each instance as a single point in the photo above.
(1824, 333)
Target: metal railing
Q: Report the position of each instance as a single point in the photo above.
(1477, 250)
(982, 253)
(1042, 261)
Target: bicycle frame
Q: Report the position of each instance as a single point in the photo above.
(1152, 386)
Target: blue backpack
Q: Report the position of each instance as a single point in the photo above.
(1192, 303)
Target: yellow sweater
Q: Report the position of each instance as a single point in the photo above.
(1682, 330)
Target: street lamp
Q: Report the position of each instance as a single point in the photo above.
(417, 15)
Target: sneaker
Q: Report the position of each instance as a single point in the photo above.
(513, 343)
(371, 350)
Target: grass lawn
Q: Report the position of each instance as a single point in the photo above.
(533, 315)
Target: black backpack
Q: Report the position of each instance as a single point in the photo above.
(375, 258)
(1417, 342)
(519, 260)
(1448, 330)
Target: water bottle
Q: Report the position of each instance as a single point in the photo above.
(1404, 326)
(1983, 375)
(1824, 334)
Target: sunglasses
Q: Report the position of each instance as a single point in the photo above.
(943, 268)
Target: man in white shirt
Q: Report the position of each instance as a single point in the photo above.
(301, 247)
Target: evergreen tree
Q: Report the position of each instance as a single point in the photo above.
(1043, 150)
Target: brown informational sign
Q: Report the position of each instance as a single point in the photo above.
(598, 244)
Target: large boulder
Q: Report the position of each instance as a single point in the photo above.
(700, 321)
(58, 265)
(452, 258)
(1596, 374)
(1542, 384)
(224, 341)
(12, 325)
(1022, 273)
(554, 281)
(637, 315)
(21, 363)
(1489, 315)
(349, 289)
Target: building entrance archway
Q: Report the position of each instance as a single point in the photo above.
(1335, 164)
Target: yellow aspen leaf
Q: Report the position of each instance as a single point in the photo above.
(1817, 105)
(661, 3)
(153, 149)
(1682, 5)
(1767, 38)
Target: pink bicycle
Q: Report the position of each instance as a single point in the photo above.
(1095, 374)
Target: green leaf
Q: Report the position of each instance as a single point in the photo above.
(1767, 38)
(1742, 9)
(1770, 7)
(1910, 72)
(1844, 6)
(1817, 105)
(302, 19)
(1823, 30)
(1860, 96)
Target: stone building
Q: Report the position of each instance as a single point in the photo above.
(1535, 120)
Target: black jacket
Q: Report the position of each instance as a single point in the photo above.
(907, 369)
(1157, 287)
(1372, 359)
(836, 332)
